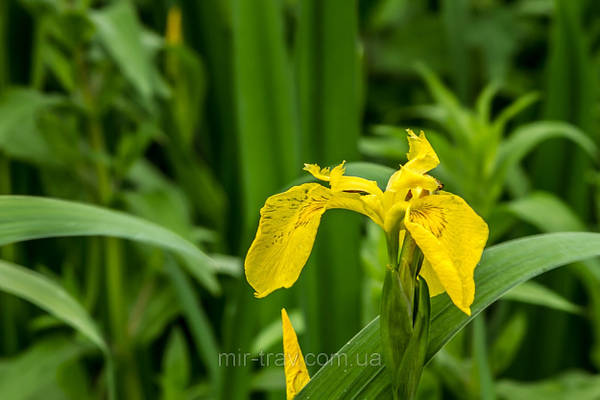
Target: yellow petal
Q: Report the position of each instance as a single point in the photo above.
(322, 174)
(433, 283)
(287, 229)
(296, 374)
(285, 237)
(421, 156)
(355, 184)
(452, 237)
(406, 178)
(341, 183)
(369, 205)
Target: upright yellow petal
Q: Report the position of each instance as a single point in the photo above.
(452, 237)
(296, 374)
(406, 178)
(421, 156)
(285, 237)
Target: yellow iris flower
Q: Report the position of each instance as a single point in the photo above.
(449, 233)
(296, 374)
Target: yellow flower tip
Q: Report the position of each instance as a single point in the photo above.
(466, 310)
(325, 174)
(421, 156)
(296, 373)
(411, 133)
(173, 35)
(318, 172)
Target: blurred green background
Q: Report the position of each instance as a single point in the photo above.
(190, 114)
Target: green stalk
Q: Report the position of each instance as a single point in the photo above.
(404, 325)
(10, 336)
(114, 289)
(97, 142)
(3, 48)
(93, 276)
(482, 374)
(112, 246)
(560, 167)
(455, 15)
(198, 323)
(37, 67)
(267, 133)
(329, 92)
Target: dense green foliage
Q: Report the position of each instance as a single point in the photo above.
(163, 140)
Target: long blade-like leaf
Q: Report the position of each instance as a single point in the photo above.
(356, 368)
(46, 294)
(25, 218)
(527, 137)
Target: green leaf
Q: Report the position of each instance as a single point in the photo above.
(458, 119)
(26, 218)
(265, 104)
(19, 133)
(120, 32)
(534, 293)
(502, 267)
(513, 110)
(31, 374)
(46, 294)
(391, 148)
(570, 385)
(527, 137)
(161, 310)
(546, 212)
(197, 321)
(505, 347)
(175, 366)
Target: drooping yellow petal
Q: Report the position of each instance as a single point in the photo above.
(341, 183)
(452, 237)
(296, 374)
(285, 237)
(287, 229)
(421, 156)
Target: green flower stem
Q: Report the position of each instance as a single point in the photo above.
(37, 66)
(482, 375)
(10, 336)
(404, 324)
(113, 258)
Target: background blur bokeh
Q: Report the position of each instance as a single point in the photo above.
(190, 114)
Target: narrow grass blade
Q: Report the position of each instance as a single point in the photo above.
(537, 294)
(198, 322)
(44, 293)
(26, 218)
